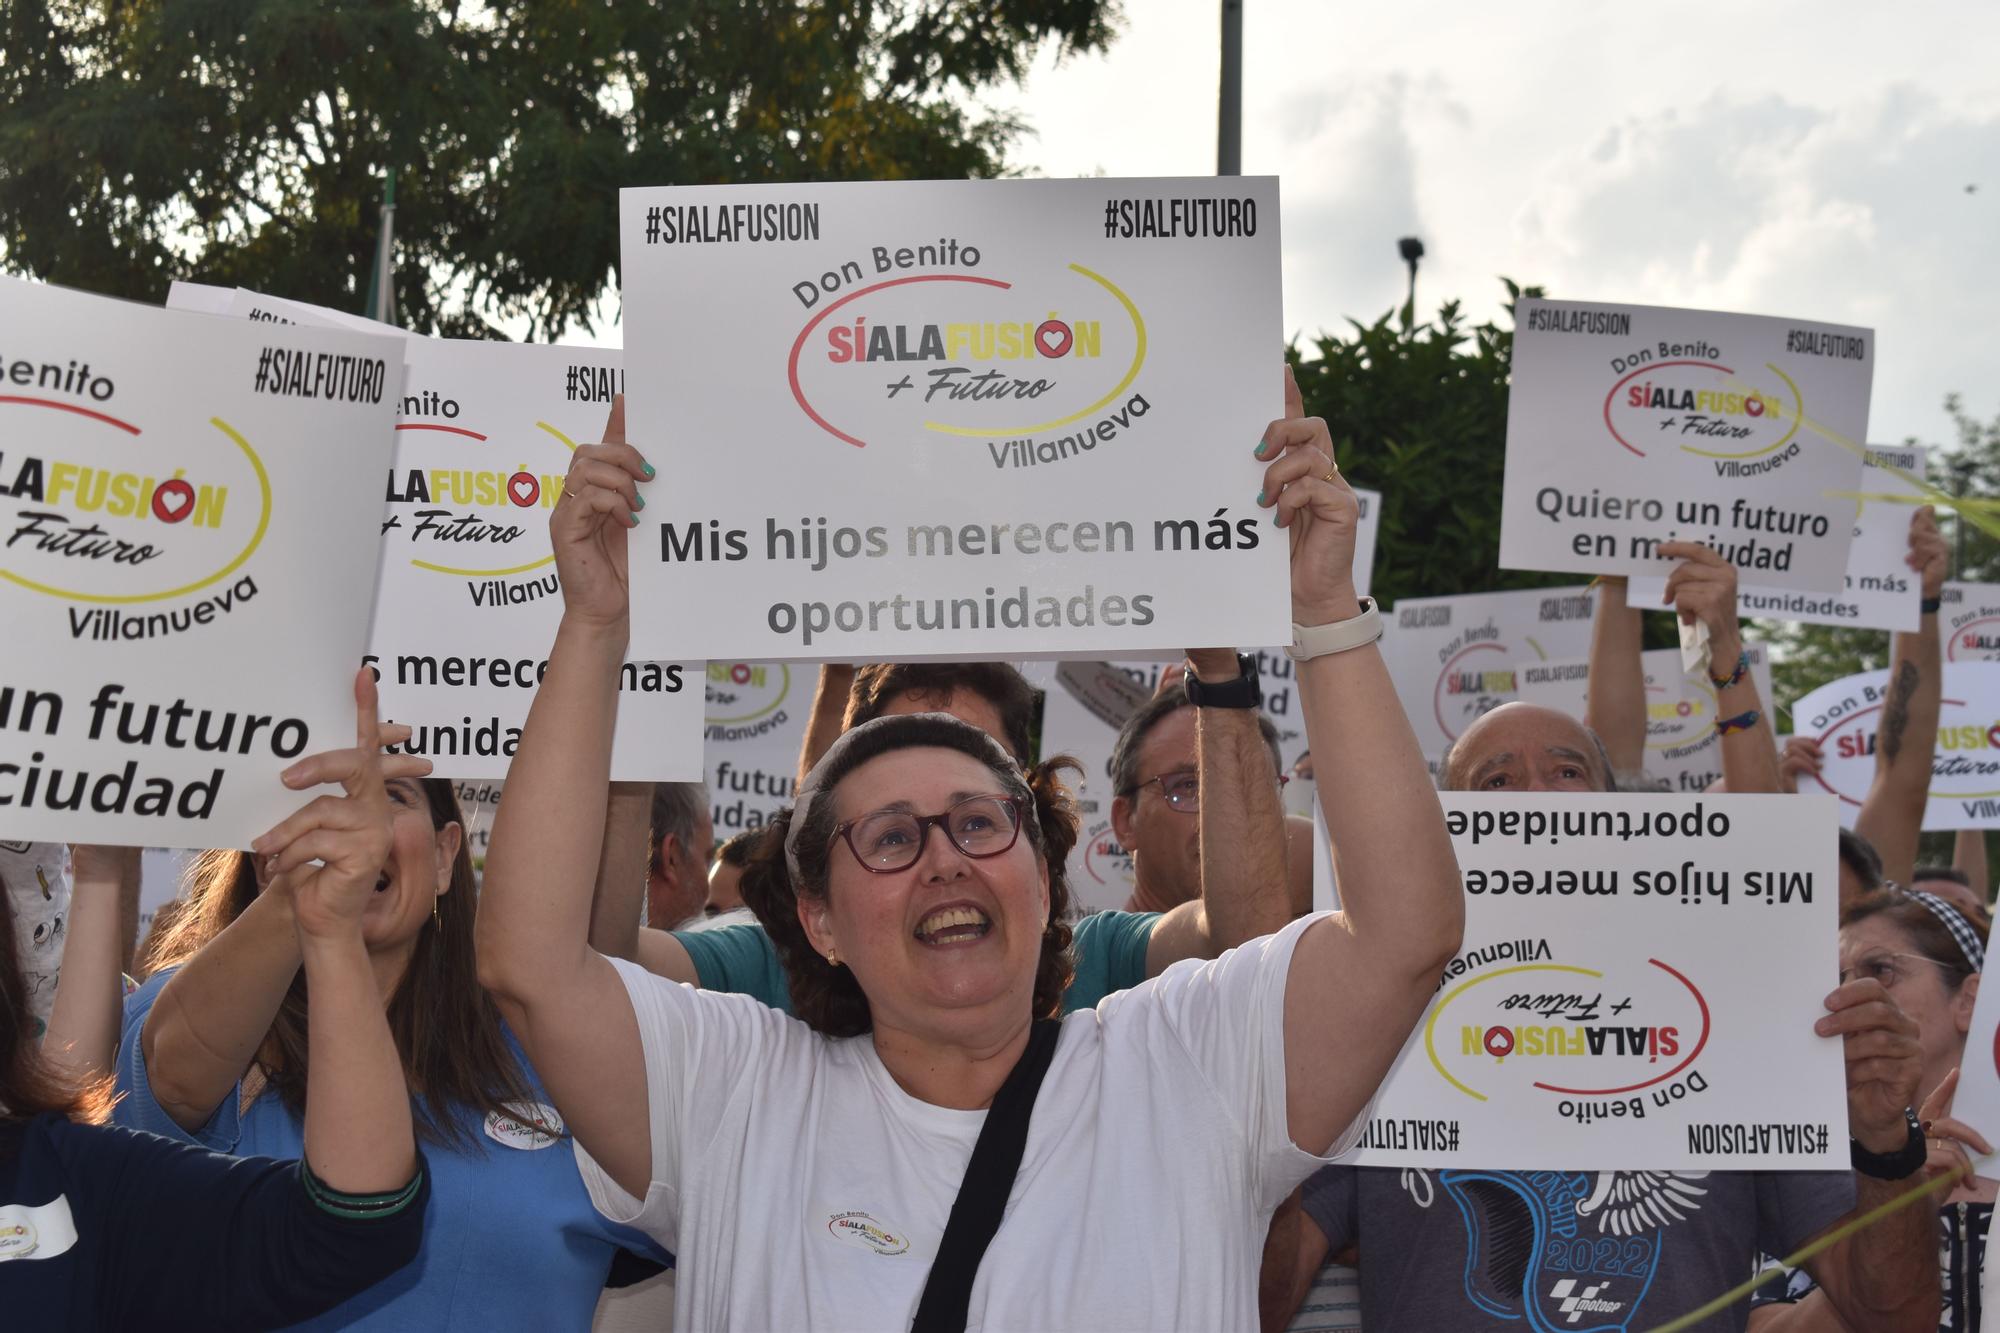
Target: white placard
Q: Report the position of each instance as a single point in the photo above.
(186, 579)
(1682, 745)
(1882, 591)
(1628, 426)
(1366, 533)
(1977, 1101)
(754, 725)
(200, 297)
(1452, 658)
(469, 602)
(265, 309)
(1965, 785)
(1969, 621)
(954, 419)
(1637, 991)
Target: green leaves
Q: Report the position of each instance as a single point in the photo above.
(244, 142)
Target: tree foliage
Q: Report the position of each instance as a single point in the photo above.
(1419, 413)
(245, 142)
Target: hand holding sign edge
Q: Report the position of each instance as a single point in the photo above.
(589, 526)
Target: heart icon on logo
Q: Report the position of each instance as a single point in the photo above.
(524, 489)
(1053, 338)
(173, 501)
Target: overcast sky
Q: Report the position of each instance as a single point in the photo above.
(1806, 160)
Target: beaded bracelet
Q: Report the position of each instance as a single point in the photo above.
(1741, 722)
(1742, 666)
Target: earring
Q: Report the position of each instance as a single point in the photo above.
(434, 907)
(832, 958)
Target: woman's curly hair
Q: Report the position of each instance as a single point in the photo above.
(827, 996)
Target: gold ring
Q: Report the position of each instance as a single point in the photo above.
(1329, 475)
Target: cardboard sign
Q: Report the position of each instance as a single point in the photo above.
(1683, 748)
(1453, 658)
(187, 569)
(1637, 991)
(954, 419)
(1965, 785)
(1882, 591)
(1628, 426)
(1969, 622)
(754, 722)
(469, 602)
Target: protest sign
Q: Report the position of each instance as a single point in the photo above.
(1969, 622)
(265, 309)
(469, 603)
(1365, 534)
(1636, 992)
(199, 297)
(188, 567)
(973, 419)
(1628, 426)
(1452, 658)
(755, 716)
(1881, 592)
(1977, 1101)
(1965, 784)
(1683, 749)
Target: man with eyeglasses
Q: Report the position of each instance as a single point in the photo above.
(1189, 737)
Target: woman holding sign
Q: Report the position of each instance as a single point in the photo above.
(1929, 956)
(215, 1052)
(811, 1181)
(104, 1228)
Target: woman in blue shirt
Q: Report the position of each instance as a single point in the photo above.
(102, 1227)
(215, 1052)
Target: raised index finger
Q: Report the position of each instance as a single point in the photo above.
(614, 425)
(1295, 402)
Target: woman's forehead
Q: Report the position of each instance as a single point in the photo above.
(926, 777)
(1874, 932)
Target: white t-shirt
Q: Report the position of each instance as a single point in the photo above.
(801, 1188)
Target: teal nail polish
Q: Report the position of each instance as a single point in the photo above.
(639, 500)
(1260, 497)
(647, 468)
(1278, 514)
(1262, 445)
(635, 519)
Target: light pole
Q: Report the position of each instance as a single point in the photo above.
(1229, 109)
(1412, 250)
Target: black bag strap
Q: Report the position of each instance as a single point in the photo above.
(982, 1195)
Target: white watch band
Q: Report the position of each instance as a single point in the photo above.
(1310, 641)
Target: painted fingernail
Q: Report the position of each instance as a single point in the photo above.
(639, 500)
(1276, 516)
(647, 468)
(1262, 445)
(633, 517)
(1260, 497)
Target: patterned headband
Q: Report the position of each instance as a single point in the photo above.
(1954, 921)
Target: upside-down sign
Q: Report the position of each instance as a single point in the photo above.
(186, 566)
(1637, 988)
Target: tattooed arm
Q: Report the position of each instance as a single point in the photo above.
(1893, 812)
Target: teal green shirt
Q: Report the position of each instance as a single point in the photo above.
(1110, 949)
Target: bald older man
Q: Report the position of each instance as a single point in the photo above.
(1462, 1248)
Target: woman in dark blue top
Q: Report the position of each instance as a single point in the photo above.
(107, 1228)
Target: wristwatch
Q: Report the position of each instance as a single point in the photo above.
(1246, 691)
(1897, 1165)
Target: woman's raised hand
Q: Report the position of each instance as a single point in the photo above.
(1310, 498)
(599, 507)
(330, 854)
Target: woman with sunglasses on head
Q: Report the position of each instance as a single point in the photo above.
(1928, 955)
(926, 1139)
(103, 1228)
(217, 1043)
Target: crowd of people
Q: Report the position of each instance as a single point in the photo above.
(868, 1067)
